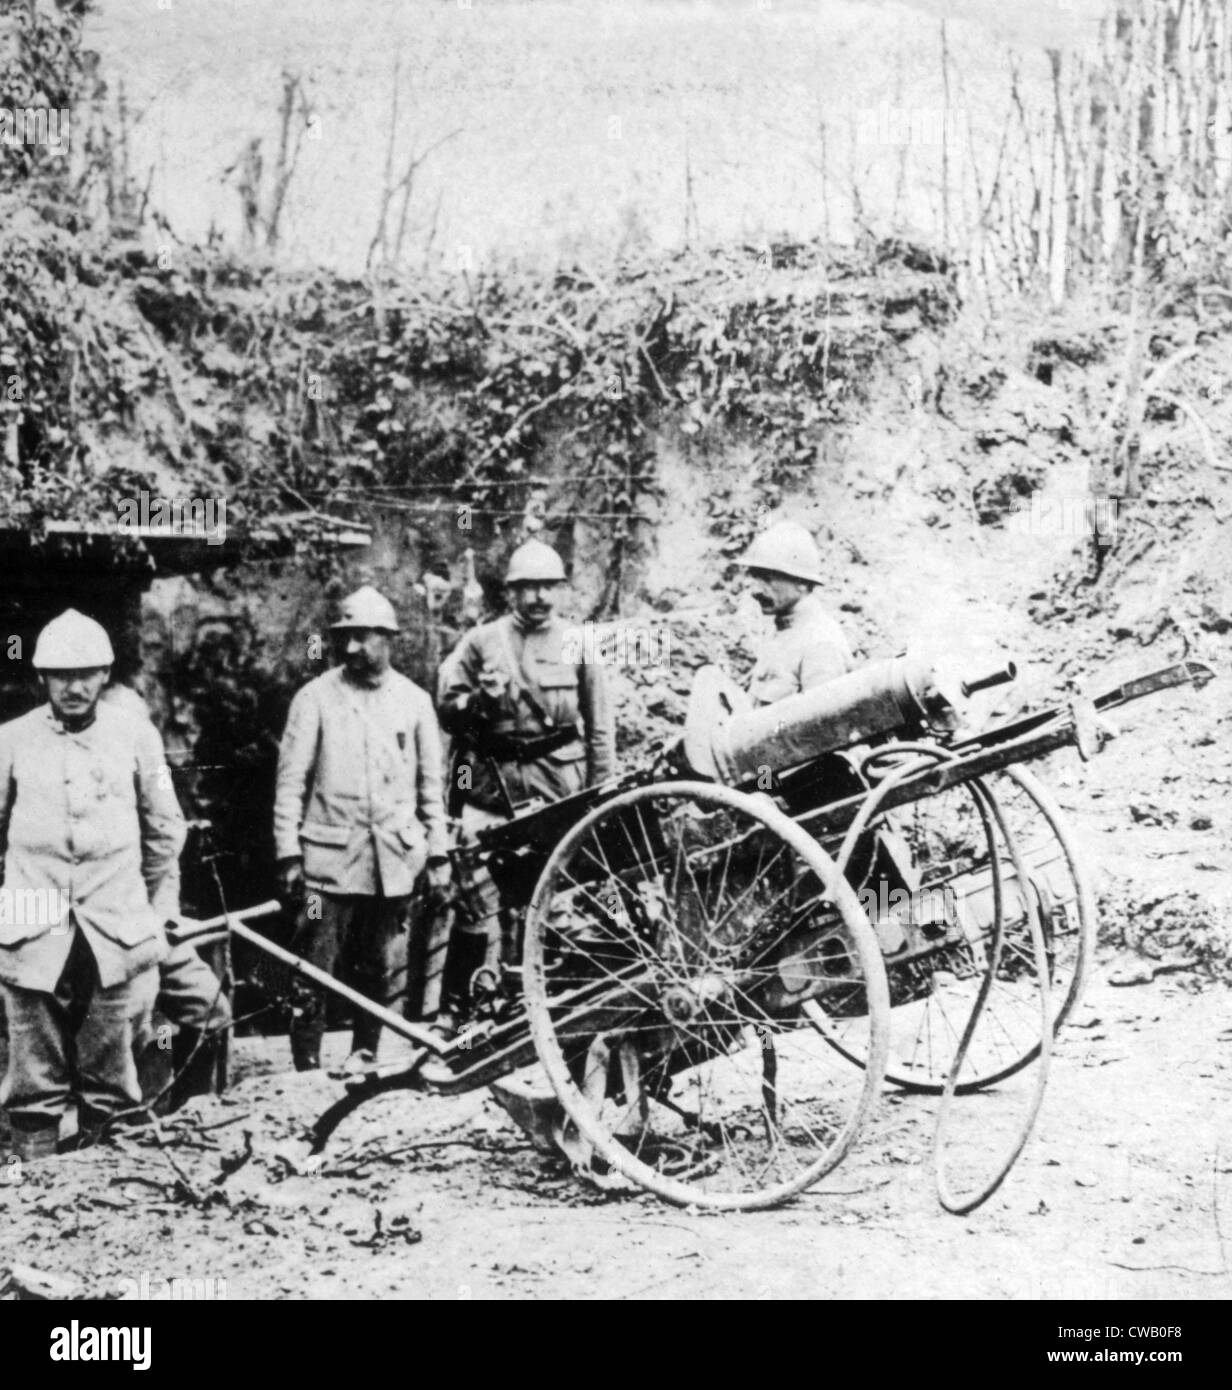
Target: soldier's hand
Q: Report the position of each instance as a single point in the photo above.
(291, 880)
(493, 682)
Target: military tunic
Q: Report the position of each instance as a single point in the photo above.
(545, 693)
(807, 649)
(90, 825)
(359, 797)
(359, 785)
(91, 834)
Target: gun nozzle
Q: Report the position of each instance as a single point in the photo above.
(1002, 676)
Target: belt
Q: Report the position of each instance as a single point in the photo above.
(526, 748)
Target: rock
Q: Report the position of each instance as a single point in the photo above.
(35, 1285)
(298, 1158)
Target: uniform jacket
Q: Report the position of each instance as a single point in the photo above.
(568, 694)
(358, 792)
(89, 821)
(807, 649)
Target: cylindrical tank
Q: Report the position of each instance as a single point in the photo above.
(902, 694)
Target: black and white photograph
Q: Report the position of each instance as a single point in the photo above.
(613, 627)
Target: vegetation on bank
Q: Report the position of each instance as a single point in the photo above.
(458, 412)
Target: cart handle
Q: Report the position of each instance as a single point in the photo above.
(196, 933)
(186, 929)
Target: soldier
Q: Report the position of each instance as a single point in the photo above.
(526, 723)
(358, 813)
(531, 724)
(91, 834)
(808, 647)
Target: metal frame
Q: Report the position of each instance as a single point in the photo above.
(491, 1050)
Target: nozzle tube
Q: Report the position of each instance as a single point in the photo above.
(1001, 676)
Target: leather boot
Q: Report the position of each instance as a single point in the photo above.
(194, 1059)
(33, 1142)
(94, 1126)
(366, 1034)
(306, 1031)
(468, 952)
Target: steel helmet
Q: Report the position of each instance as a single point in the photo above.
(785, 548)
(368, 608)
(533, 560)
(72, 642)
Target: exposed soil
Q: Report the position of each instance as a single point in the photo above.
(1124, 1192)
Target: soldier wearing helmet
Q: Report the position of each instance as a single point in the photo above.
(540, 725)
(808, 647)
(91, 834)
(526, 722)
(358, 814)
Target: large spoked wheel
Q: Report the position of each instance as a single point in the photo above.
(931, 895)
(672, 943)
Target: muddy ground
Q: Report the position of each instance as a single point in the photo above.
(1124, 1192)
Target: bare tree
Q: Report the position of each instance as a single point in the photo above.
(399, 188)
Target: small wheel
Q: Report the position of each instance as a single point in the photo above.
(929, 892)
(672, 942)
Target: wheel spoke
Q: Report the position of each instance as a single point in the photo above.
(953, 850)
(714, 1089)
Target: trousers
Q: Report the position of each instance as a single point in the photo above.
(193, 1061)
(75, 1044)
(189, 993)
(361, 940)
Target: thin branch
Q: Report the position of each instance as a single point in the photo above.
(1204, 432)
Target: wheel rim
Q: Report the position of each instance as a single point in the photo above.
(963, 1187)
(691, 921)
(932, 998)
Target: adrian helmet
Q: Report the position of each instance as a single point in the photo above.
(72, 642)
(533, 560)
(368, 608)
(785, 548)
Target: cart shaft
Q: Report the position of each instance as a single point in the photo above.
(234, 923)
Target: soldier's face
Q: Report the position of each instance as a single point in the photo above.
(777, 593)
(365, 651)
(533, 601)
(75, 694)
